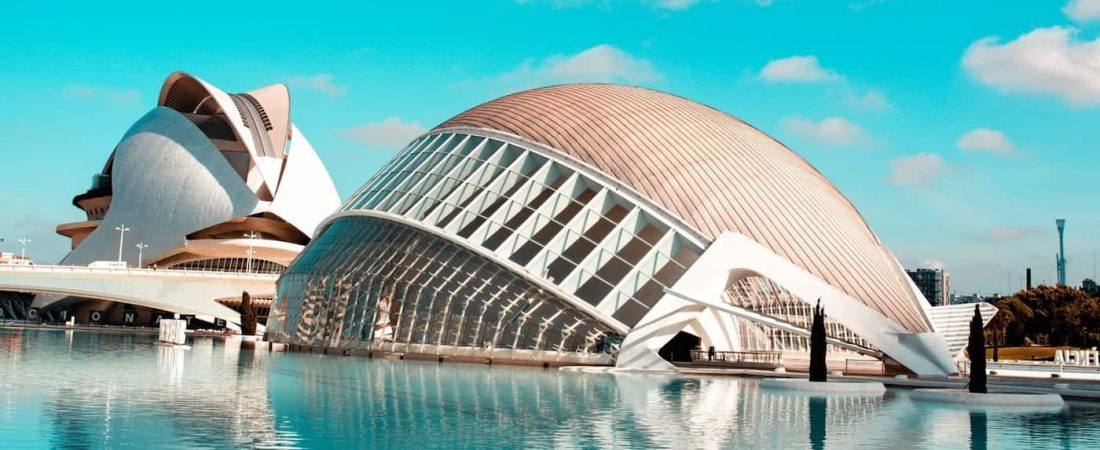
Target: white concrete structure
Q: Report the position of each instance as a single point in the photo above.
(178, 291)
(609, 223)
(832, 387)
(1001, 399)
(173, 331)
(953, 323)
(195, 176)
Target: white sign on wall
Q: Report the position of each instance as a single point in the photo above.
(1077, 357)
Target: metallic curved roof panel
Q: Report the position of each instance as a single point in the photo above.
(716, 173)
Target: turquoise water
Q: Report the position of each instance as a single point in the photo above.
(66, 389)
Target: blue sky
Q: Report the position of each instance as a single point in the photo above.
(960, 130)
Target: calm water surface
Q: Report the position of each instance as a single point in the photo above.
(66, 389)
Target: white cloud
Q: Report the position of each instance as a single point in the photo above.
(321, 82)
(117, 96)
(871, 100)
(1044, 61)
(932, 264)
(835, 131)
(919, 170)
(1082, 10)
(389, 134)
(674, 4)
(797, 69)
(602, 63)
(986, 140)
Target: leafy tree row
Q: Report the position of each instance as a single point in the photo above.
(1052, 315)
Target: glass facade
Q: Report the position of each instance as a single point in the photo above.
(761, 295)
(375, 284)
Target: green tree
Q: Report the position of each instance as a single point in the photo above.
(1012, 315)
(1056, 315)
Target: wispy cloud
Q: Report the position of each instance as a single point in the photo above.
(1044, 61)
(921, 170)
(663, 5)
(1082, 10)
(322, 82)
(832, 131)
(391, 133)
(112, 95)
(1006, 233)
(798, 69)
(986, 140)
(601, 63)
(871, 100)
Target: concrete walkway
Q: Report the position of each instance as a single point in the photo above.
(1068, 389)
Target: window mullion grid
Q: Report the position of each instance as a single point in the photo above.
(639, 274)
(488, 194)
(542, 216)
(414, 210)
(604, 252)
(570, 233)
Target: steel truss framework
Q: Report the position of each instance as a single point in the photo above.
(375, 284)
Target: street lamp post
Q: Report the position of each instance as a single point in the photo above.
(141, 249)
(23, 252)
(121, 237)
(251, 235)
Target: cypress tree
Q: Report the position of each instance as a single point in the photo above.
(818, 368)
(976, 349)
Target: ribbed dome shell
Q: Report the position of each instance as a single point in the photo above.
(716, 173)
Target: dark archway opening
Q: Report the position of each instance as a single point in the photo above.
(679, 348)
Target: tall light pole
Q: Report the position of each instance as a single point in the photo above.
(251, 235)
(141, 249)
(1061, 260)
(121, 237)
(23, 253)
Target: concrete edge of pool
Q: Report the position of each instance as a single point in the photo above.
(801, 385)
(965, 397)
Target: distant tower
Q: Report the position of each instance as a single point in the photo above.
(1061, 258)
(1029, 278)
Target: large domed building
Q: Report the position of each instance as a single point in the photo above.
(599, 224)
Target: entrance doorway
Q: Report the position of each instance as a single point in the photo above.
(679, 348)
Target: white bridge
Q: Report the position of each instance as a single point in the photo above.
(175, 291)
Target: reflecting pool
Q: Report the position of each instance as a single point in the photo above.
(74, 389)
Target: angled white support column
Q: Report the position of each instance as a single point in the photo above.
(733, 256)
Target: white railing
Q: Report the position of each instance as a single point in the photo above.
(136, 271)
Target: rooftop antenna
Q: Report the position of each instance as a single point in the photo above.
(1061, 258)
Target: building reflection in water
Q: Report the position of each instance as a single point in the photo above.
(114, 391)
(132, 393)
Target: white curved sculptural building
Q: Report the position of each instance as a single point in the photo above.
(204, 181)
(597, 223)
